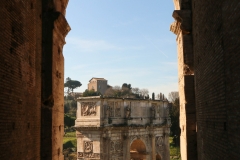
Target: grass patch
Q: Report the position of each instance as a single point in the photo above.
(70, 134)
(174, 150)
(70, 140)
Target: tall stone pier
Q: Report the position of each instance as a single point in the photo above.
(182, 27)
(117, 129)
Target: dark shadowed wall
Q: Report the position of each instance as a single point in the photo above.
(32, 35)
(216, 32)
(208, 49)
(20, 79)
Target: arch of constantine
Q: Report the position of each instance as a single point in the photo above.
(118, 128)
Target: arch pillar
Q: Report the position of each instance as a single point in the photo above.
(166, 146)
(126, 148)
(152, 136)
(106, 148)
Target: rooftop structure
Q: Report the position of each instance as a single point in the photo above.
(98, 85)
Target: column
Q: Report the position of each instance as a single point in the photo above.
(152, 136)
(166, 151)
(126, 147)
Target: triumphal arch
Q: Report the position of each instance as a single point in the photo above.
(122, 129)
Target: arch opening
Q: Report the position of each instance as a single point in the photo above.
(138, 150)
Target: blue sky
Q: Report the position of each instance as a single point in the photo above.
(123, 41)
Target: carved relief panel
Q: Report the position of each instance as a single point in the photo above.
(128, 112)
(117, 109)
(88, 151)
(89, 155)
(158, 113)
(92, 155)
(88, 109)
(111, 109)
(80, 155)
(106, 111)
(88, 146)
(116, 146)
(159, 142)
(153, 110)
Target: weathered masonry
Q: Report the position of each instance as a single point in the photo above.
(208, 42)
(32, 36)
(117, 129)
(182, 27)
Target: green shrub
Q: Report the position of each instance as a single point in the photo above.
(69, 142)
(68, 121)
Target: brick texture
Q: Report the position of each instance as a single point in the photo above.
(216, 29)
(32, 35)
(20, 79)
(215, 42)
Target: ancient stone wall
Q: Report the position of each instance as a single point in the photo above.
(54, 30)
(31, 39)
(20, 79)
(216, 29)
(182, 27)
(214, 67)
(111, 126)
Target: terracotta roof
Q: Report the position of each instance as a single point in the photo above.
(97, 79)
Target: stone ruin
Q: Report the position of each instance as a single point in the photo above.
(118, 128)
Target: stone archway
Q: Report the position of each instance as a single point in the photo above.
(138, 150)
(123, 138)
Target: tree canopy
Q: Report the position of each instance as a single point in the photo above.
(126, 86)
(71, 84)
(126, 91)
(174, 114)
(90, 93)
(172, 96)
(68, 121)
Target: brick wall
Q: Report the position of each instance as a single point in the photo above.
(215, 45)
(54, 30)
(216, 29)
(32, 35)
(20, 79)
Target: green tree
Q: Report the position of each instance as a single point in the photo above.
(126, 86)
(71, 84)
(74, 104)
(68, 121)
(66, 107)
(174, 115)
(126, 91)
(135, 90)
(87, 93)
(144, 93)
(153, 96)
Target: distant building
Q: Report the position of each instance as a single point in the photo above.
(98, 85)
